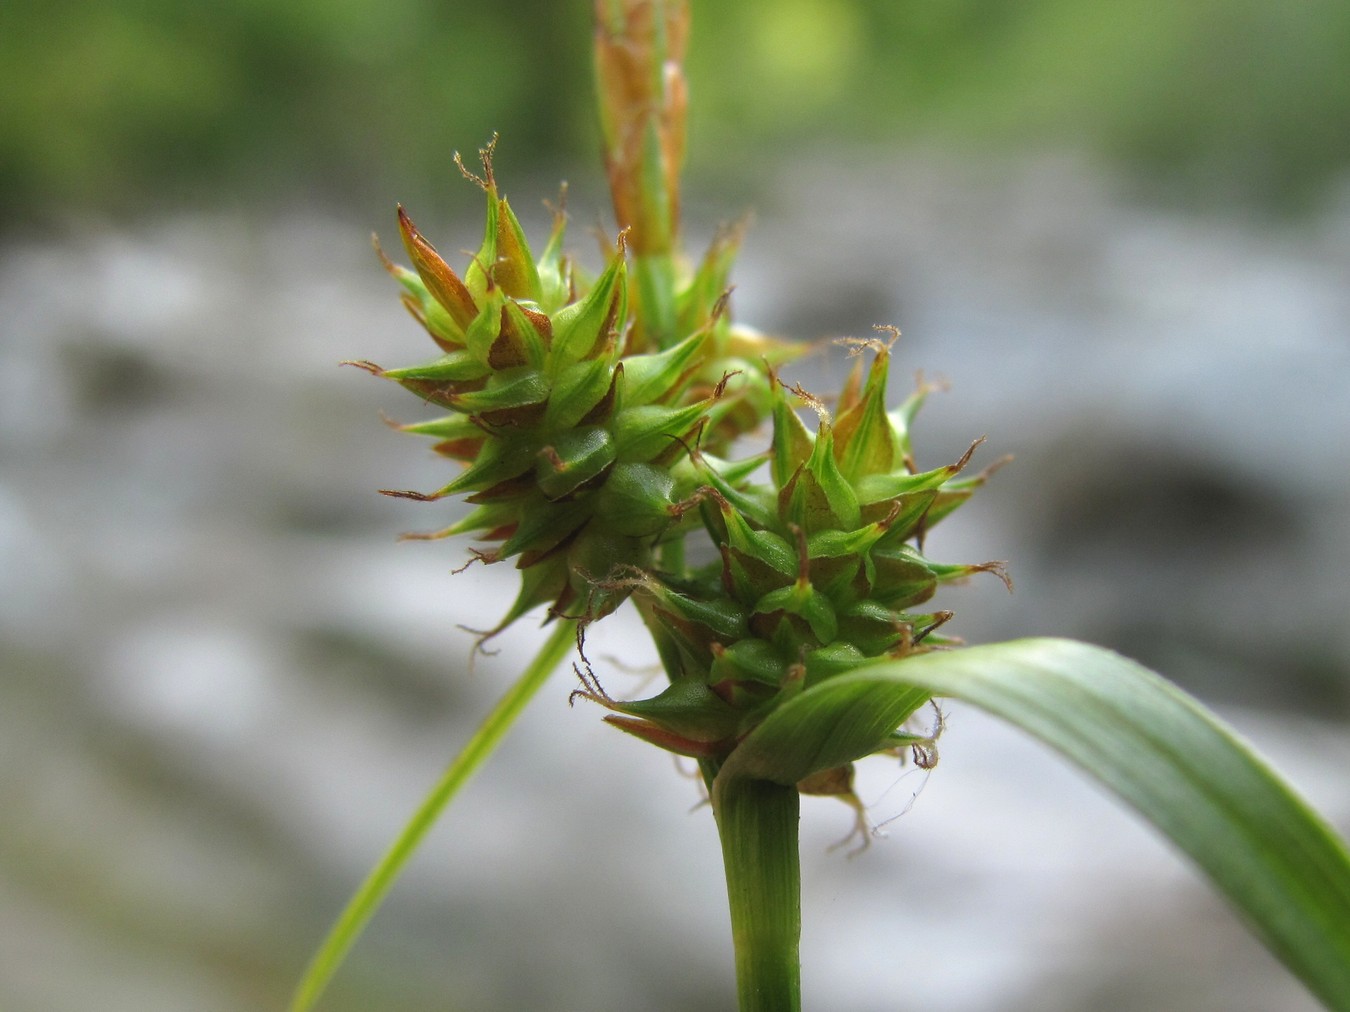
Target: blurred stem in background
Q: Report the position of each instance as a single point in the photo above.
(130, 107)
(639, 56)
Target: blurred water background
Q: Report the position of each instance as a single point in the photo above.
(1121, 233)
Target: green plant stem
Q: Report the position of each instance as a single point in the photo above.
(368, 898)
(758, 821)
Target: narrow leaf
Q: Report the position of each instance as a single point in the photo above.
(1273, 857)
(373, 890)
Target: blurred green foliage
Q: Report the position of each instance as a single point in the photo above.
(114, 107)
(118, 106)
(1249, 97)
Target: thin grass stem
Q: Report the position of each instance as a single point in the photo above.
(362, 906)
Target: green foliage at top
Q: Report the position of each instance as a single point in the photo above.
(118, 106)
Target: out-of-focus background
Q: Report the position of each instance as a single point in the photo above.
(1120, 232)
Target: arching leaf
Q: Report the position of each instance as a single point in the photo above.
(1265, 849)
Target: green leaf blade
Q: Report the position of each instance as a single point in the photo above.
(1274, 858)
(367, 899)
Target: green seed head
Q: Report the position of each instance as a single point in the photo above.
(569, 422)
(820, 567)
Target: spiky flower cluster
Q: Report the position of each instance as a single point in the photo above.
(597, 420)
(819, 569)
(570, 420)
(589, 439)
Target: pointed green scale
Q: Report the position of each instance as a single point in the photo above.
(584, 328)
(756, 503)
(768, 548)
(410, 280)
(424, 307)
(478, 278)
(803, 600)
(441, 282)
(555, 282)
(877, 487)
(696, 301)
(792, 440)
(684, 640)
(435, 320)
(504, 391)
(660, 377)
(902, 577)
(786, 631)
(515, 270)
(483, 519)
(648, 431)
(873, 628)
(865, 433)
(947, 501)
(446, 427)
(577, 389)
(843, 502)
(543, 526)
(836, 543)
(747, 577)
(442, 393)
(518, 341)
(816, 505)
(749, 660)
(902, 515)
(572, 459)
(499, 462)
(482, 333)
(687, 708)
(844, 579)
(542, 583)
(718, 621)
(945, 572)
(457, 365)
(837, 558)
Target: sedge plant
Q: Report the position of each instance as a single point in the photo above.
(600, 423)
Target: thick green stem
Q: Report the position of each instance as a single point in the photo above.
(484, 741)
(757, 821)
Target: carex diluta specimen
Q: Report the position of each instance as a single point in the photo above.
(620, 437)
